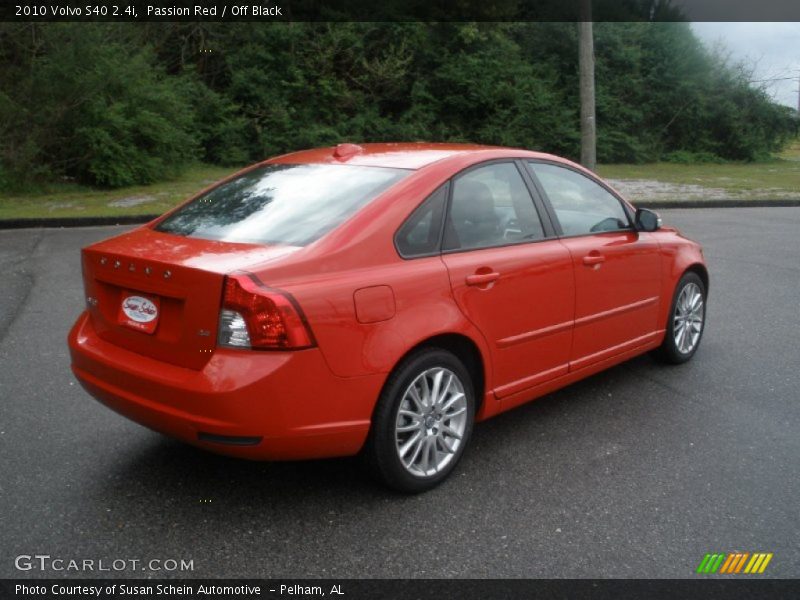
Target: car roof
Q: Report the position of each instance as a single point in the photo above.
(405, 155)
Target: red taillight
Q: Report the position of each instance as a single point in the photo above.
(272, 319)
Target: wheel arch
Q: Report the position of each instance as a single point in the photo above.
(465, 349)
(701, 271)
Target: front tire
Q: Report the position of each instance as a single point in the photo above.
(687, 317)
(422, 422)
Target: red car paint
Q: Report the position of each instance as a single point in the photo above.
(540, 315)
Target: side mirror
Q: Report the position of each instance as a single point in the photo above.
(647, 220)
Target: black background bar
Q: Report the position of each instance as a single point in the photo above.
(703, 587)
(397, 10)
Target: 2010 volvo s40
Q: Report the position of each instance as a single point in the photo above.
(379, 299)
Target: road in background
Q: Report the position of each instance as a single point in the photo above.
(635, 472)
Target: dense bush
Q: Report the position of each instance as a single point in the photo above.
(81, 102)
(117, 104)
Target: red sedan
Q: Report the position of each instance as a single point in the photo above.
(379, 299)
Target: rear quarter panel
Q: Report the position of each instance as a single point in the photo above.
(424, 307)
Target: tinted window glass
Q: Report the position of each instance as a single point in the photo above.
(491, 206)
(281, 204)
(419, 235)
(582, 206)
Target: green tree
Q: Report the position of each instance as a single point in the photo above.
(117, 104)
(80, 102)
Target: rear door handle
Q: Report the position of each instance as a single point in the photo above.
(482, 278)
(593, 259)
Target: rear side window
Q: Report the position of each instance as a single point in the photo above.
(419, 235)
(491, 206)
(281, 204)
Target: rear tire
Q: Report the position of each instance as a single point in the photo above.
(686, 321)
(422, 422)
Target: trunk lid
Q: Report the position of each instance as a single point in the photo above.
(159, 294)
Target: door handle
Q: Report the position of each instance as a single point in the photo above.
(593, 259)
(482, 278)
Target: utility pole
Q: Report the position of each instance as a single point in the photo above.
(586, 71)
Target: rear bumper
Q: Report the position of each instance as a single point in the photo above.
(256, 405)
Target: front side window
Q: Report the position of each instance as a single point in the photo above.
(281, 204)
(491, 206)
(581, 205)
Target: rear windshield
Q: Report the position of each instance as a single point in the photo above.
(281, 204)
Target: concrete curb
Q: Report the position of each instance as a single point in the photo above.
(138, 219)
(75, 221)
(721, 203)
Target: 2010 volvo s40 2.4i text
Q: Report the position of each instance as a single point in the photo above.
(379, 299)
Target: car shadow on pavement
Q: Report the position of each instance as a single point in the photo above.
(195, 473)
(180, 475)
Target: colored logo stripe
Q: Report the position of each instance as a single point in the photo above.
(734, 562)
(758, 563)
(728, 562)
(710, 563)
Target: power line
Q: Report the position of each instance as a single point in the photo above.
(771, 79)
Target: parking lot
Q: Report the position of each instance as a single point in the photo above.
(636, 472)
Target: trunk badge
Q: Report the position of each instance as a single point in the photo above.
(167, 274)
(139, 312)
(203, 333)
(91, 301)
(147, 270)
(103, 260)
(117, 264)
(131, 267)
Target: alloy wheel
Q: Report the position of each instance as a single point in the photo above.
(688, 318)
(431, 422)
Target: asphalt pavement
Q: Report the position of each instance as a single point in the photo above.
(635, 473)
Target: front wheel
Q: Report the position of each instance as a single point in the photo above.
(686, 322)
(422, 423)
